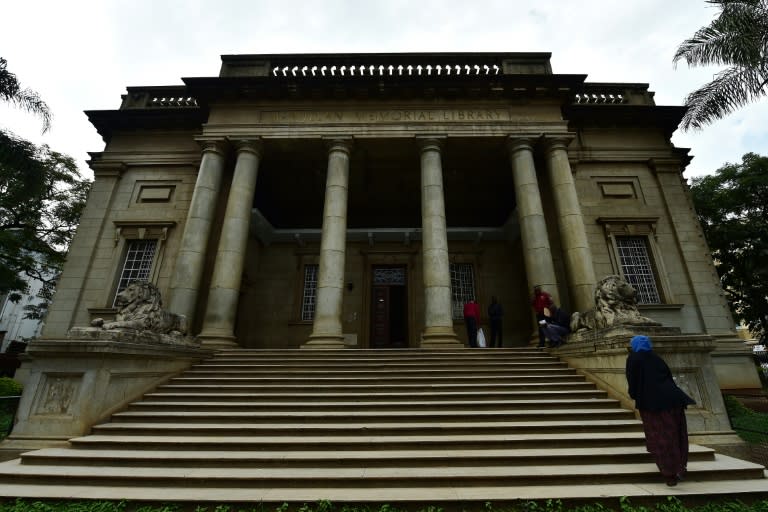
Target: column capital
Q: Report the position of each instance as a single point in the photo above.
(515, 144)
(555, 142)
(430, 142)
(216, 145)
(254, 145)
(107, 169)
(343, 144)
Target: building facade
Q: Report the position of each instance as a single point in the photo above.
(358, 200)
(14, 326)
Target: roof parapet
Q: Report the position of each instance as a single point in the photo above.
(614, 94)
(164, 96)
(384, 65)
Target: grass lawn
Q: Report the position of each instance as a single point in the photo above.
(670, 504)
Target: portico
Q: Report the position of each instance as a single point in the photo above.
(507, 208)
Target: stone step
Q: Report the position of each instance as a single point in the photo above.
(309, 442)
(422, 390)
(370, 429)
(246, 371)
(332, 367)
(378, 388)
(376, 360)
(384, 354)
(412, 498)
(446, 416)
(395, 477)
(460, 406)
(470, 379)
(433, 396)
(349, 458)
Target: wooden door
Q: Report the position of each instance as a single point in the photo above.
(380, 320)
(389, 307)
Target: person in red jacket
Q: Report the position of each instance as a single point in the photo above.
(539, 302)
(472, 321)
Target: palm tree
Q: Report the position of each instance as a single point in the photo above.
(27, 99)
(737, 38)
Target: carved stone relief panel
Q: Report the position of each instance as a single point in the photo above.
(57, 394)
(690, 381)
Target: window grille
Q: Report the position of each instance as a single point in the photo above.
(392, 276)
(462, 287)
(637, 269)
(138, 263)
(309, 297)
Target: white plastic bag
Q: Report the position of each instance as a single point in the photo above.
(481, 338)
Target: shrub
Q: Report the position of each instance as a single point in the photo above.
(751, 426)
(9, 387)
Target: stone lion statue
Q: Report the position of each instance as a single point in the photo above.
(615, 304)
(141, 308)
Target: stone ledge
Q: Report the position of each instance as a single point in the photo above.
(131, 336)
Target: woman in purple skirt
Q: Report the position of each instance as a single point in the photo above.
(662, 408)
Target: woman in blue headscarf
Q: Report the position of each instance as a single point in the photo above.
(662, 408)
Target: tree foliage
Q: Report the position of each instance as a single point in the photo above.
(732, 206)
(41, 198)
(737, 38)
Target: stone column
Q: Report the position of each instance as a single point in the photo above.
(438, 321)
(537, 255)
(576, 250)
(187, 274)
(219, 322)
(327, 327)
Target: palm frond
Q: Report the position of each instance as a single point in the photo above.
(29, 100)
(26, 99)
(737, 36)
(731, 89)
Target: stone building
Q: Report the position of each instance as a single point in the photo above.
(360, 199)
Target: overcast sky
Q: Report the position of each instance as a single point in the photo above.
(82, 54)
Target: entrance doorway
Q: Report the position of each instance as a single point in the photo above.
(389, 307)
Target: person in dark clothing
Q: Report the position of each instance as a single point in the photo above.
(662, 408)
(495, 314)
(472, 321)
(555, 326)
(539, 302)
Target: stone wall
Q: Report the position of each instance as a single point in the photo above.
(70, 385)
(601, 357)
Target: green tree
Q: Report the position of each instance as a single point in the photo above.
(41, 198)
(737, 38)
(732, 206)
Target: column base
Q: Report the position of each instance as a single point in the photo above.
(440, 338)
(217, 341)
(324, 342)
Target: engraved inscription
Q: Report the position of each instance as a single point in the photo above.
(383, 116)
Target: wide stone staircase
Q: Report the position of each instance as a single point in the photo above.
(363, 426)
